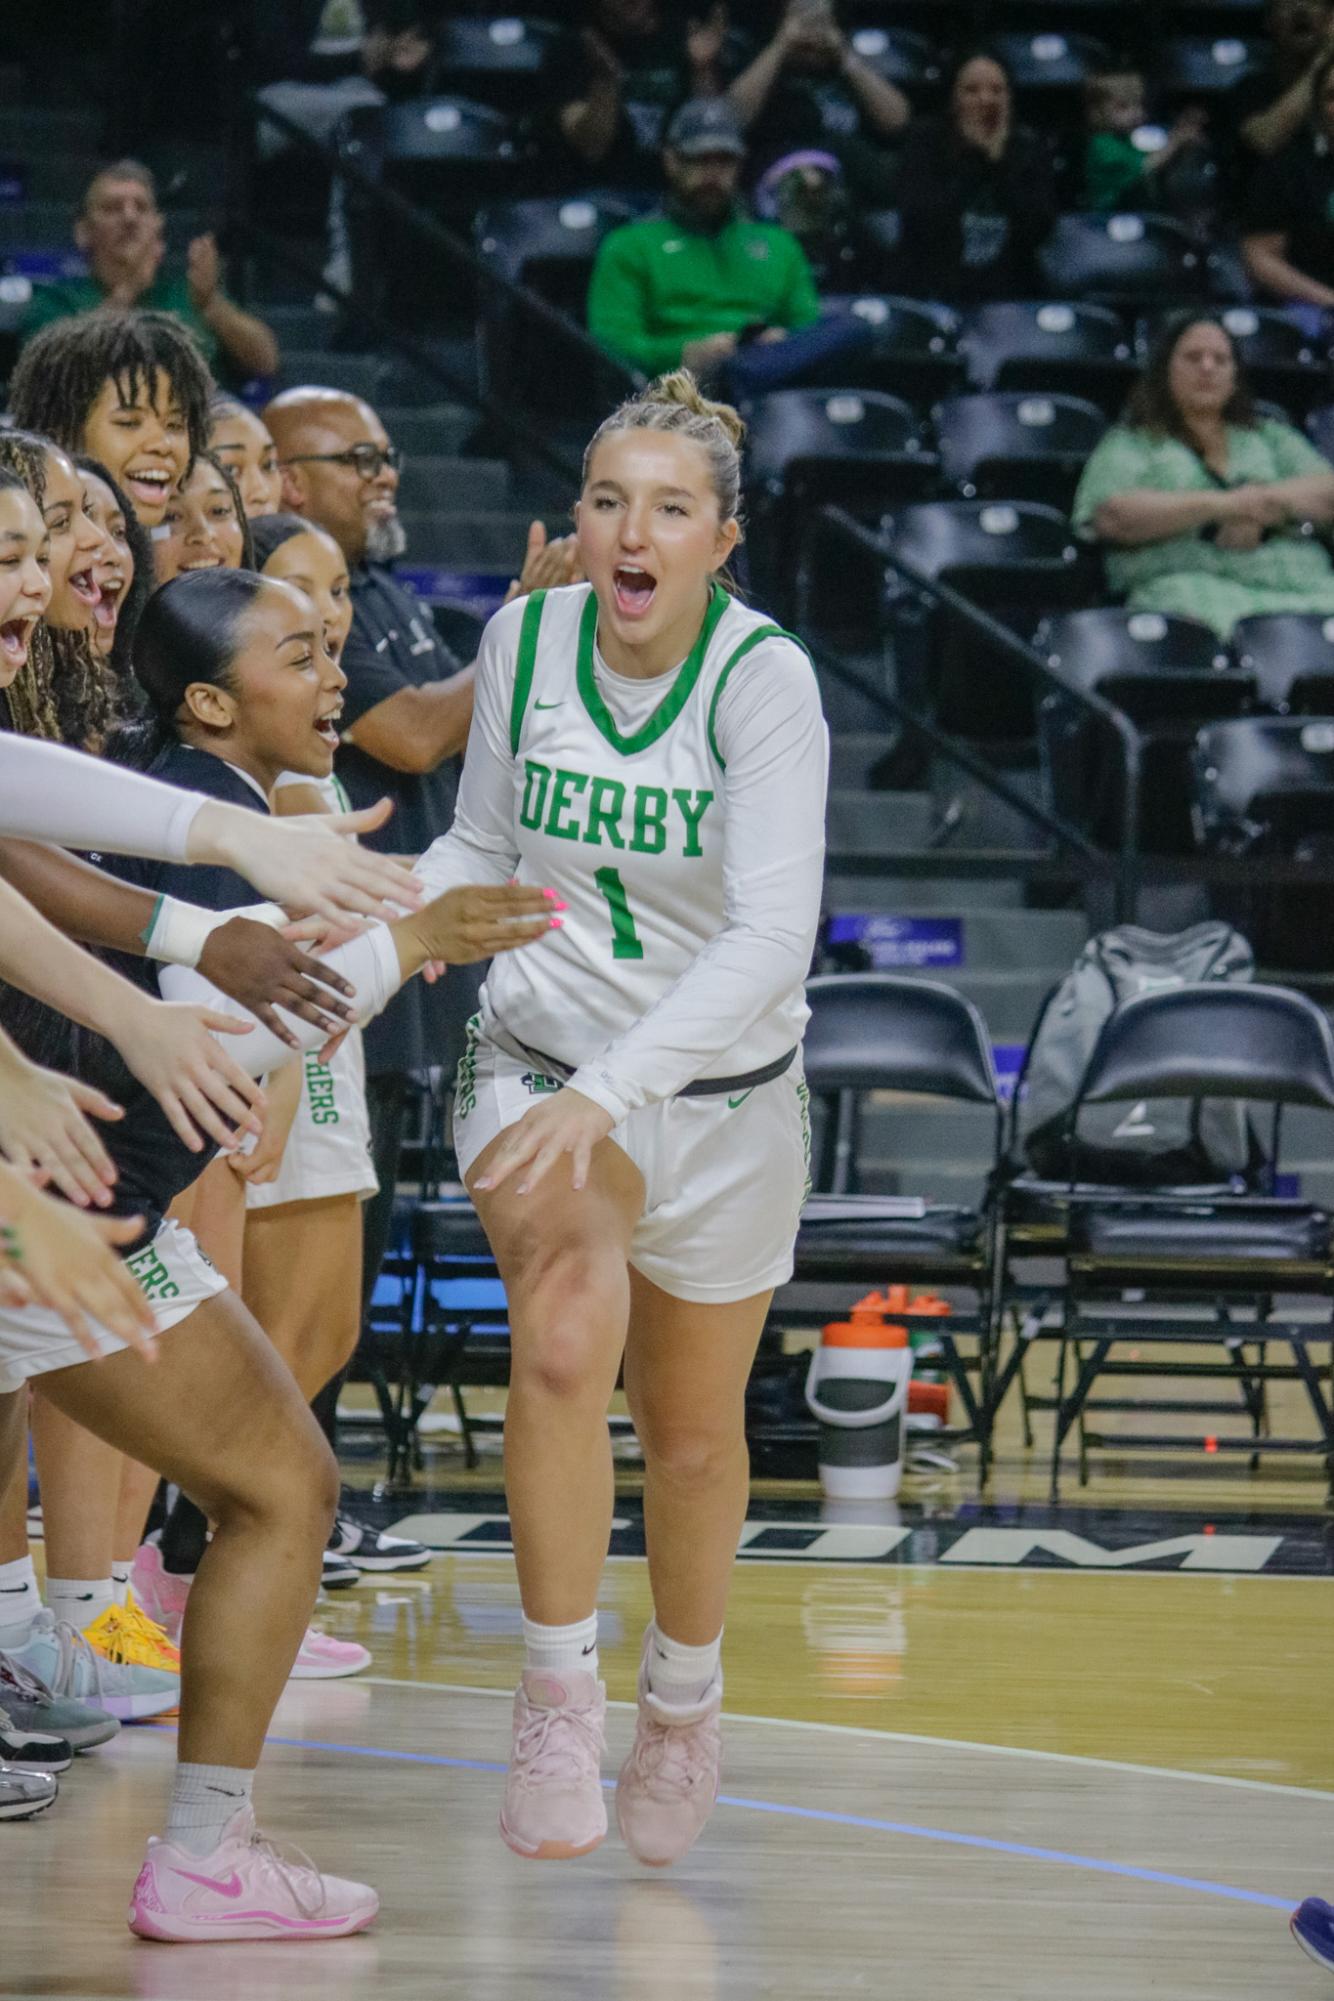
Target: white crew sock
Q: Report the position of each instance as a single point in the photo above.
(77, 1601)
(562, 1649)
(120, 1580)
(203, 1800)
(20, 1602)
(682, 1676)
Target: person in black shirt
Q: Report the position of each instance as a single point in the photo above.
(977, 194)
(809, 88)
(611, 82)
(1287, 230)
(1270, 104)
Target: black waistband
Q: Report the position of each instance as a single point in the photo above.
(703, 1087)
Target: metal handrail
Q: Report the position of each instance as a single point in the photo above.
(435, 236)
(1125, 864)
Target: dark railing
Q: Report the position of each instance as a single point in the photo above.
(571, 352)
(1078, 852)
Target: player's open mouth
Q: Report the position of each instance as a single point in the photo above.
(15, 637)
(326, 726)
(634, 590)
(201, 563)
(149, 486)
(85, 587)
(108, 602)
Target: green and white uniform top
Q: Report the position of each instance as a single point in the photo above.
(682, 820)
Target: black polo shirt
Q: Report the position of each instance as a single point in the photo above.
(1293, 195)
(394, 645)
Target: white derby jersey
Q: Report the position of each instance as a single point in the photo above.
(680, 817)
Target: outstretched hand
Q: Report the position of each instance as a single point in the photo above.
(55, 1257)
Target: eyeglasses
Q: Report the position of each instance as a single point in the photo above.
(366, 461)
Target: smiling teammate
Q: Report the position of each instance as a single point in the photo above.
(630, 1116)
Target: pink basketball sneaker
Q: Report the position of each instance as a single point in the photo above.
(163, 1594)
(669, 1782)
(553, 1790)
(245, 1889)
(323, 1658)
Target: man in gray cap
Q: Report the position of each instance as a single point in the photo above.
(689, 286)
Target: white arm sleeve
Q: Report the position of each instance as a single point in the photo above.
(48, 793)
(771, 733)
(370, 962)
(480, 846)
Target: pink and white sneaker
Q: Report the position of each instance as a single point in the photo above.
(553, 1790)
(162, 1593)
(669, 1782)
(245, 1889)
(323, 1658)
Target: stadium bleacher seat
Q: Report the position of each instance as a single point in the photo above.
(1291, 657)
(1135, 260)
(1264, 785)
(861, 448)
(1016, 444)
(902, 55)
(496, 61)
(911, 351)
(1056, 346)
(1204, 65)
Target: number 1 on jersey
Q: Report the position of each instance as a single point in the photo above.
(625, 942)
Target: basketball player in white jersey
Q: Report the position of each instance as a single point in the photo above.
(631, 1118)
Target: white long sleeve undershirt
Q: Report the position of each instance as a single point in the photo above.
(48, 793)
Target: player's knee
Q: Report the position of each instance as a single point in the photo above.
(683, 1449)
(561, 1363)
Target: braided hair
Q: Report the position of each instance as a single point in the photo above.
(63, 370)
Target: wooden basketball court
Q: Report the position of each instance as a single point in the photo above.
(1111, 1774)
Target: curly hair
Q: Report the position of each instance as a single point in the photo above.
(63, 370)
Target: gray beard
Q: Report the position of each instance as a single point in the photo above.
(385, 540)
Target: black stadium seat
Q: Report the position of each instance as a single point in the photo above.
(902, 55)
(1169, 676)
(1055, 346)
(1204, 65)
(1319, 429)
(1049, 68)
(911, 351)
(550, 245)
(1137, 260)
(1264, 785)
(495, 61)
(807, 447)
(1290, 654)
(1017, 445)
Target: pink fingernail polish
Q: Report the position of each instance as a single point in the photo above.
(557, 923)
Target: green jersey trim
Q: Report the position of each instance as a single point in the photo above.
(672, 703)
(753, 639)
(527, 661)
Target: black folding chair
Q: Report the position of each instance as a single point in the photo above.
(1183, 1268)
(876, 1032)
(1265, 785)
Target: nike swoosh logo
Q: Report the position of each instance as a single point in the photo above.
(732, 1103)
(590, 1650)
(12, 1590)
(546, 705)
(227, 1886)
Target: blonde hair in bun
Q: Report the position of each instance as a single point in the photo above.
(675, 403)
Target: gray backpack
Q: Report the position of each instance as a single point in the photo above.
(1158, 1142)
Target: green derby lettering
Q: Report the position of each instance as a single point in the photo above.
(536, 778)
(608, 813)
(650, 835)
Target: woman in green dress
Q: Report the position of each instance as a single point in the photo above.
(1203, 507)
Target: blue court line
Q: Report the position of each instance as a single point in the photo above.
(1201, 1886)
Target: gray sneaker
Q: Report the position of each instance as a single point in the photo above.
(31, 1706)
(22, 1794)
(70, 1667)
(31, 1750)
